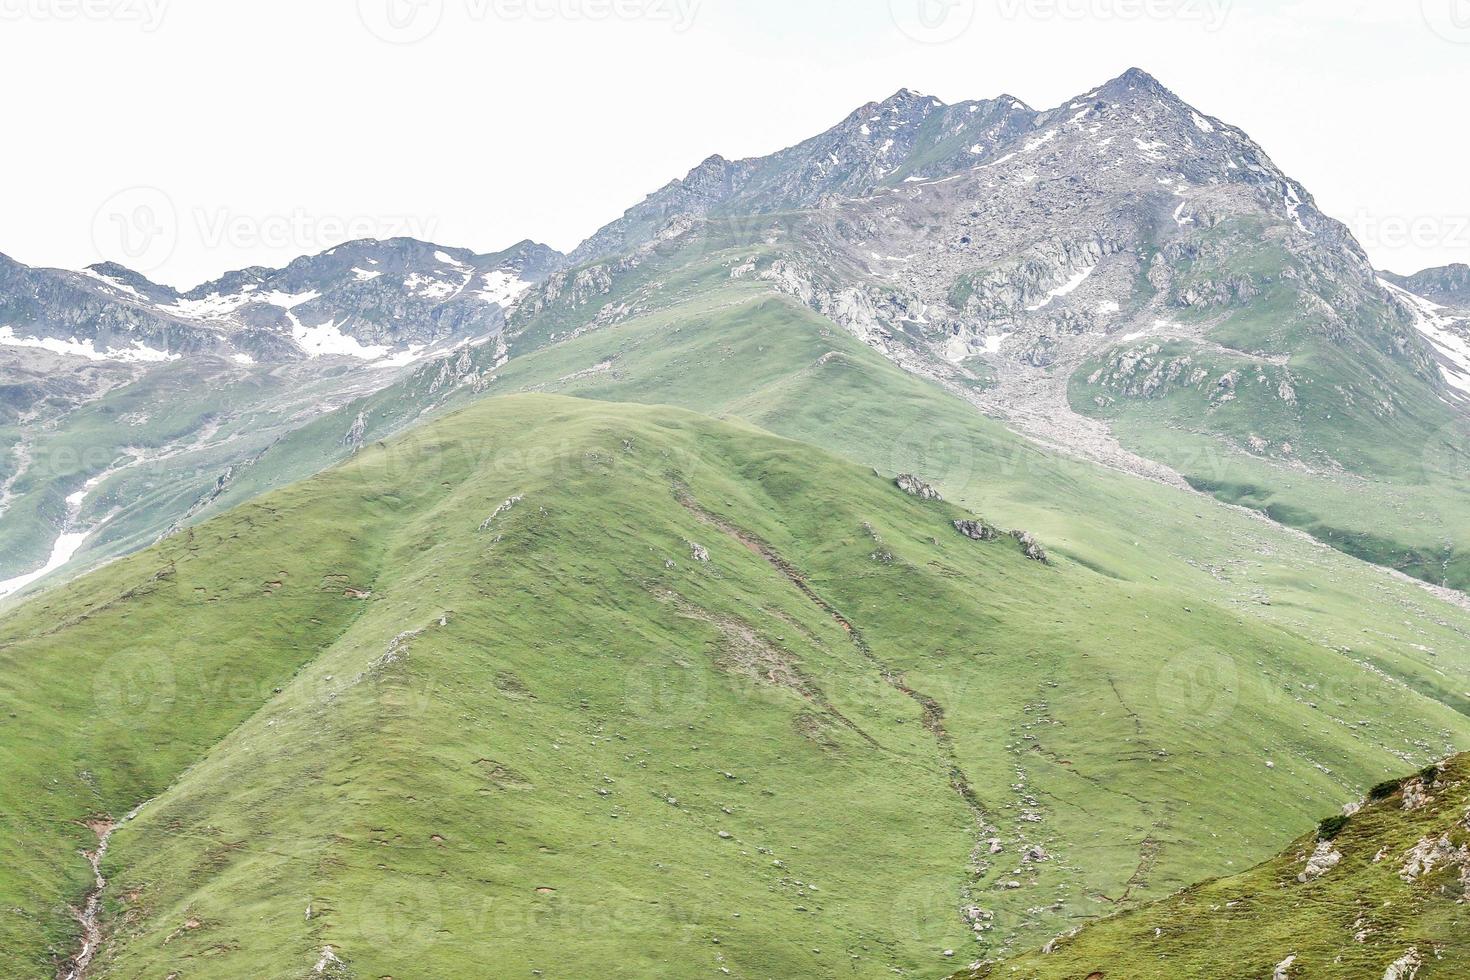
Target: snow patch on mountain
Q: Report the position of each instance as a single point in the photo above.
(1430, 319)
(137, 353)
(1066, 288)
(503, 287)
(327, 340)
(62, 551)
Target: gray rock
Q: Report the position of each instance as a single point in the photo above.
(915, 487)
(977, 530)
(1030, 547)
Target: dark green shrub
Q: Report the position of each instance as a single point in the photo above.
(1329, 829)
(1385, 789)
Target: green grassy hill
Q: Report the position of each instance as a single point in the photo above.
(1302, 398)
(473, 698)
(1379, 894)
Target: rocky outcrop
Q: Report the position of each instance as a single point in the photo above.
(502, 509)
(1405, 967)
(978, 530)
(915, 487)
(1030, 547)
(356, 434)
(1323, 860)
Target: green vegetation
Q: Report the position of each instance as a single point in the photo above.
(459, 747)
(1388, 888)
(406, 725)
(1341, 439)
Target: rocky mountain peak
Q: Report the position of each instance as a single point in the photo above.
(1135, 83)
(378, 302)
(129, 281)
(1447, 285)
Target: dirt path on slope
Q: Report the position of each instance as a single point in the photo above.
(932, 711)
(75, 967)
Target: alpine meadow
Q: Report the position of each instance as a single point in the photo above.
(977, 541)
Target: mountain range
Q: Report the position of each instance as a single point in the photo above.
(1057, 492)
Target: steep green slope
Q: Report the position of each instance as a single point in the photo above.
(1298, 395)
(735, 350)
(140, 456)
(529, 727)
(1380, 894)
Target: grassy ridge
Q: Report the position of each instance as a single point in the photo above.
(1377, 903)
(496, 786)
(112, 687)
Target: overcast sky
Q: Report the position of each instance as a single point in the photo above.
(187, 137)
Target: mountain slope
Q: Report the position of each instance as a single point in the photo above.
(1382, 893)
(1122, 276)
(845, 655)
(1136, 282)
(128, 404)
(1447, 285)
(365, 300)
(906, 135)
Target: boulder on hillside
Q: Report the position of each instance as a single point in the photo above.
(977, 530)
(1030, 547)
(915, 487)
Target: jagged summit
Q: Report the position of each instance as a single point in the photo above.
(1447, 285)
(910, 136)
(367, 300)
(1134, 79)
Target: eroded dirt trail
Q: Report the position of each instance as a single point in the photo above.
(932, 712)
(75, 967)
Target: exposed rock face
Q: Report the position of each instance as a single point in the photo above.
(698, 552)
(1406, 967)
(1448, 285)
(977, 530)
(906, 135)
(915, 487)
(356, 434)
(1429, 854)
(1323, 860)
(1030, 547)
(502, 509)
(365, 300)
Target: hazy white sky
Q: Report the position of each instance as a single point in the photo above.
(187, 137)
